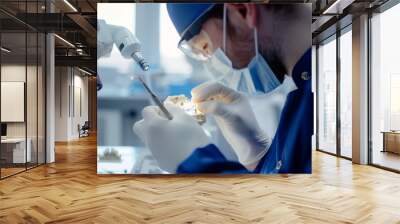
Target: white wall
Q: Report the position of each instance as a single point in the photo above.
(70, 83)
(17, 73)
(79, 117)
(61, 103)
(12, 73)
(12, 100)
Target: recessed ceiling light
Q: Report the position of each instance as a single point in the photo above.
(84, 71)
(70, 5)
(64, 40)
(337, 7)
(5, 50)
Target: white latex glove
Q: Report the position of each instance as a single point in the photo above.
(236, 120)
(105, 41)
(170, 141)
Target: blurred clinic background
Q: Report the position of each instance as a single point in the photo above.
(122, 99)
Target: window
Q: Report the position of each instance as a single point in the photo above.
(169, 52)
(327, 96)
(394, 101)
(122, 14)
(385, 88)
(346, 93)
(335, 137)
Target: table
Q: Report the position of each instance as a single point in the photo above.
(132, 160)
(19, 155)
(391, 141)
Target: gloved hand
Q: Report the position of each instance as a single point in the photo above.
(170, 141)
(236, 120)
(105, 41)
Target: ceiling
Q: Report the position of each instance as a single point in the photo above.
(75, 21)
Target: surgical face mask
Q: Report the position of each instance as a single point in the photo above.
(268, 107)
(256, 77)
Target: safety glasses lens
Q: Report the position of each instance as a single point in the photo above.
(193, 52)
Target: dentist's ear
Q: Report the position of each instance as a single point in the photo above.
(247, 11)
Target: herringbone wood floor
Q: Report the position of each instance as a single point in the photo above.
(69, 191)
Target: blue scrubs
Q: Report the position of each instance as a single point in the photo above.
(290, 151)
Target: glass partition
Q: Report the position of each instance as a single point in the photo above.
(14, 151)
(31, 99)
(22, 77)
(41, 97)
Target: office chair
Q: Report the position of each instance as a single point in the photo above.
(84, 130)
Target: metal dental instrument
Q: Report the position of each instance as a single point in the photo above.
(156, 99)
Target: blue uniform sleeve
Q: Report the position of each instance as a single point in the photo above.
(210, 160)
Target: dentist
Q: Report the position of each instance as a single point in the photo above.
(270, 130)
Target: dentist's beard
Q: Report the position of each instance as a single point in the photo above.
(273, 55)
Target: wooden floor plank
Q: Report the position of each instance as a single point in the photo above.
(70, 191)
